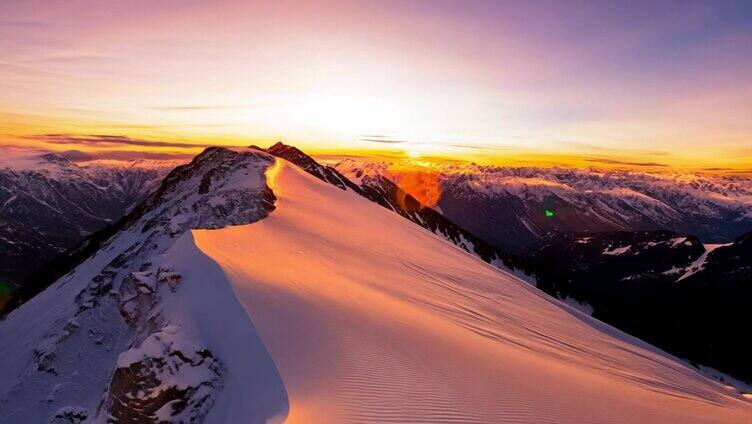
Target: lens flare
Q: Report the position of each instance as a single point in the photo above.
(424, 186)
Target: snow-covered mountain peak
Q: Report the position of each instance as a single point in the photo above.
(57, 159)
(219, 187)
(119, 311)
(32, 161)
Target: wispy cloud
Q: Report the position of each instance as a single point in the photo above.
(20, 23)
(13, 151)
(16, 69)
(79, 156)
(595, 148)
(210, 107)
(376, 138)
(480, 147)
(108, 140)
(188, 108)
(68, 58)
(623, 162)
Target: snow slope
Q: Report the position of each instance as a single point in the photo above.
(699, 264)
(370, 318)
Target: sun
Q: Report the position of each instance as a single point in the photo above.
(413, 154)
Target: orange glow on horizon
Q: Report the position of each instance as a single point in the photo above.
(182, 146)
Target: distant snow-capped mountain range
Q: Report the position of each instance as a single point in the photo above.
(49, 203)
(514, 208)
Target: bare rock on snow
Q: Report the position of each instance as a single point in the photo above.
(167, 379)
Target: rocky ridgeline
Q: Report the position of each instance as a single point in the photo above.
(389, 195)
(157, 372)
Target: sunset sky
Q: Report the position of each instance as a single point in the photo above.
(584, 83)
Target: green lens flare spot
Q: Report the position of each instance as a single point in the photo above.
(549, 213)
